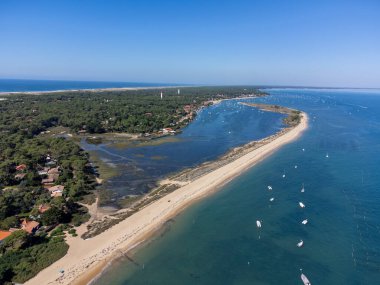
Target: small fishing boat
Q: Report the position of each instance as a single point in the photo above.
(327, 155)
(304, 279)
(271, 199)
(295, 166)
(304, 222)
(283, 175)
(300, 244)
(269, 187)
(258, 224)
(302, 205)
(303, 149)
(303, 188)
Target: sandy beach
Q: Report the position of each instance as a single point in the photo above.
(6, 93)
(87, 258)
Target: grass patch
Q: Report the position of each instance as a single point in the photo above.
(104, 170)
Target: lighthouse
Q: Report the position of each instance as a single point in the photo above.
(161, 95)
(178, 91)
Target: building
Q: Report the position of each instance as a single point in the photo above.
(187, 108)
(43, 171)
(168, 131)
(56, 194)
(21, 167)
(20, 176)
(54, 170)
(49, 180)
(56, 191)
(30, 226)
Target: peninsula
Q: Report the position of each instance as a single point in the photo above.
(87, 258)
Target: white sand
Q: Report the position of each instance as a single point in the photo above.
(86, 258)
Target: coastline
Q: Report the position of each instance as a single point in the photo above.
(87, 258)
(7, 93)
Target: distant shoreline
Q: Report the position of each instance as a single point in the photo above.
(86, 259)
(5, 93)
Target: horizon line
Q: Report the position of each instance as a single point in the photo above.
(162, 85)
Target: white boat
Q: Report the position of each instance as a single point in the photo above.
(283, 175)
(302, 205)
(304, 222)
(296, 166)
(300, 244)
(305, 280)
(303, 149)
(271, 199)
(269, 187)
(327, 155)
(303, 188)
(258, 223)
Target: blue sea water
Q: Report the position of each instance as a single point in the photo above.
(216, 241)
(24, 85)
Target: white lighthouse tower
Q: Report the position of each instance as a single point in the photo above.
(178, 91)
(161, 95)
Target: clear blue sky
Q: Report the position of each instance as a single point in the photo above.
(318, 43)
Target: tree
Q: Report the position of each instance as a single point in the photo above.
(17, 240)
(52, 216)
(10, 222)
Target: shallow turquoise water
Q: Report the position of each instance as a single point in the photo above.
(216, 241)
(214, 131)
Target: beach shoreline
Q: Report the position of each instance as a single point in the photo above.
(86, 259)
(111, 89)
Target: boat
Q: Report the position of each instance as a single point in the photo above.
(303, 149)
(258, 223)
(295, 166)
(304, 222)
(283, 175)
(302, 205)
(269, 187)
(300, 244)
(304, 279)
(271, 199)
(327, 155)
(303, 188)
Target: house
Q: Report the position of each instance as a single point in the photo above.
(43, 171)
(43, 208)
(51, 163)
(168, 131)
(4, 235)
(56, 194)
(56, 191)
(187, 108)
(56, 188)
(54, 177)
(21, 167)
(20, 176)
(49, 180)
(29, 226)
(54, 170)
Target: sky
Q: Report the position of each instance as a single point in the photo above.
(305, 43)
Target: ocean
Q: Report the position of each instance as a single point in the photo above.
(216, 240)
(25, 85)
